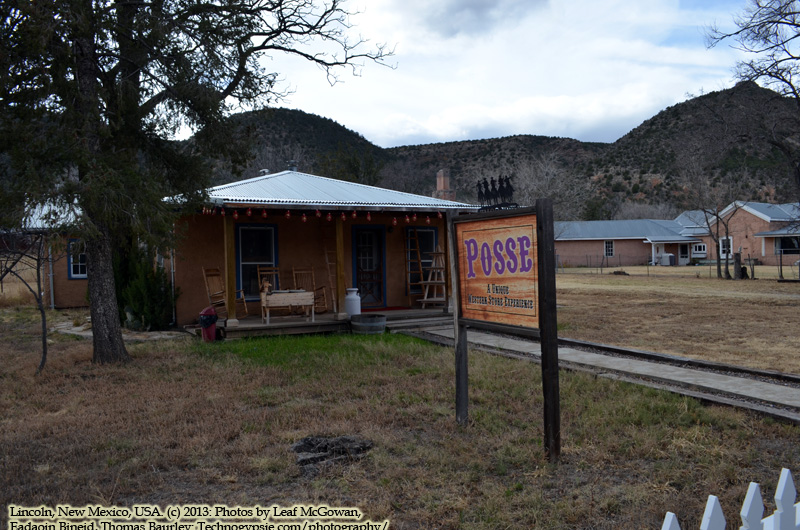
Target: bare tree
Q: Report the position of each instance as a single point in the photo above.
(545, 176)
(769, 31)
(21, 252)
(718, 201)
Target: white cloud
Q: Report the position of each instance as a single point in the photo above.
(585, 69)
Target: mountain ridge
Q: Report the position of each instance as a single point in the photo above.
(720, 136)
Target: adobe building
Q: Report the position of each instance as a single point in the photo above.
(379, 241)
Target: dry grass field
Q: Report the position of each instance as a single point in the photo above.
(14, 293)
(188, 422)
(679, 310)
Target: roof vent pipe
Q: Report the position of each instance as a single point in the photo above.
(292, 165)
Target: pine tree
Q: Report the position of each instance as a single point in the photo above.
(94, 92)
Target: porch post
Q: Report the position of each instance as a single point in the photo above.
(230, 272)
(448, 287)
(340, 283)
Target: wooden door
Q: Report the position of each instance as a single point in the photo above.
(369, 266)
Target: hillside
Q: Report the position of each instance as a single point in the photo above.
(720, 139)
(278, 136)
(722, 135)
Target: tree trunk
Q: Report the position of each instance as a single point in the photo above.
(106, 329)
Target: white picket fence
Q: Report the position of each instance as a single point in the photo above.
(786, 516)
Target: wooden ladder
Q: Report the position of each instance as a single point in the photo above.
(434, 286)
(413, 263)
(330, 265)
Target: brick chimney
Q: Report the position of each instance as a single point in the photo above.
(443, 190)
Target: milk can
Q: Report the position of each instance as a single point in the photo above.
(352, 302)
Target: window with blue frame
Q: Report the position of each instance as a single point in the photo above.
(76, 259)
(256, 248)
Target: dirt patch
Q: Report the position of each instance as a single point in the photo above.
(747, 323)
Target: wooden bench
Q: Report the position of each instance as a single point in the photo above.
(286, 299)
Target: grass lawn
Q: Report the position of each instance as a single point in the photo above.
(188, 422)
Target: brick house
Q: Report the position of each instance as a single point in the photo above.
(760, 231)
(292, 220)
(622, 243)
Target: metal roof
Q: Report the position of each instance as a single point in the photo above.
(773, 212)
(671, 239)
(49, 216)
(293, 188)
(644, 229)
(695, 222)
(692, 219)
(787, 231)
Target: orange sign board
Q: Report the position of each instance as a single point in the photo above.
(498, 270)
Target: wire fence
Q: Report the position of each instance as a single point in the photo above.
(598, 262)
(789, 270)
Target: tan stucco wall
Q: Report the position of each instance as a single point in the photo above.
(200, 245)
(67, 292)
(627, 252)
(300, 245)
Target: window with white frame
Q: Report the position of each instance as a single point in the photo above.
(725, 246)
(76, 259)
(256, 247)
(609, 249)
(787, 245)
(699, 250)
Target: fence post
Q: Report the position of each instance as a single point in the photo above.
(785, 495)
(785, 517)
(752, 508)
(712, 517)
(671, 522)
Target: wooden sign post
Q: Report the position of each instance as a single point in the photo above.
(503, 271)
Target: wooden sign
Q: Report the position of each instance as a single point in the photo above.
(498, 270)
(503, 270)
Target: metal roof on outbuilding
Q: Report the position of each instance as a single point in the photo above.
(293, 189)
(644, 229)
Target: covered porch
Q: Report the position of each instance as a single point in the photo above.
(252, 326)
(390, 246)
(677, 250)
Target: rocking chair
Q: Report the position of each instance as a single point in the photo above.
(215, 287)
(304, 279)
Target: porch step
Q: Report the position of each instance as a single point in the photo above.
(288, 328)
(413, 323)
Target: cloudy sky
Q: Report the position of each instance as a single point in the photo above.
(470, 69)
